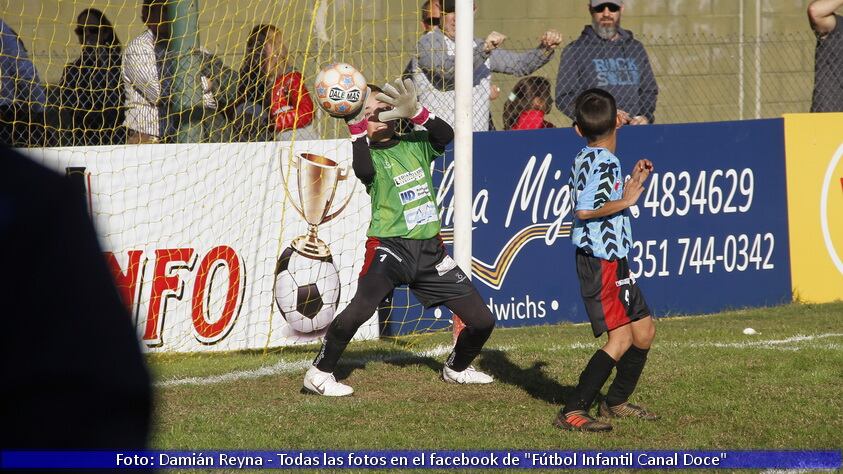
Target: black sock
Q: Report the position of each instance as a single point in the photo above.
(479, 324)
(629, 370)
(592, 378)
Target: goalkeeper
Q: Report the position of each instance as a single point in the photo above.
(403, 245)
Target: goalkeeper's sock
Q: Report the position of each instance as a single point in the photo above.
(479, 324)
(592, 378)
(629, 371)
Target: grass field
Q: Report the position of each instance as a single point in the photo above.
(715, 388)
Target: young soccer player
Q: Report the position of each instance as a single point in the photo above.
(404, 246)
(602, 235)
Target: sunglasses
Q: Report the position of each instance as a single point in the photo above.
(611, 6)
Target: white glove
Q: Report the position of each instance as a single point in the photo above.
(402, 98)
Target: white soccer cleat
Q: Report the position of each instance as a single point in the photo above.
(469, 375)
(324, 383)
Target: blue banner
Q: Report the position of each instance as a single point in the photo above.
(428, 459)
(710, 230)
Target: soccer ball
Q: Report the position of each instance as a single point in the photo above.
(340, 89)
(306, 291)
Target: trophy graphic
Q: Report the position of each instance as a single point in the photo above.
(307, 284)
(318, 178)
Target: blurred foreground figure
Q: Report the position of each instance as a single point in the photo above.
(72, 370)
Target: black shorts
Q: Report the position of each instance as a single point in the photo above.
(423, 265)
(612, 297)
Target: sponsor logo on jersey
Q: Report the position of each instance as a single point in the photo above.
(409, 177)
(421, 215)
(414, 194)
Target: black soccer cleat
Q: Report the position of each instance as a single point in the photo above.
(625, 410)
(580, 420)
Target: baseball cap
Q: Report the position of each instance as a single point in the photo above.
(594, 3)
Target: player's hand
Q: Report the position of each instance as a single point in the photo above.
(632, 191)
(357, 117)
(551, 39)
(624, 116)
(639, 120)
(403, 99)
(494, 40)
(642, 170)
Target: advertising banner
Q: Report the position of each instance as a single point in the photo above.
(710, 231)
(815, 199)
(219, 246)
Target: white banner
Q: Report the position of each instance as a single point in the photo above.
(193, 234)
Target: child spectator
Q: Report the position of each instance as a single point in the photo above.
(527, 105)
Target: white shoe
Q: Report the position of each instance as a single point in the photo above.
(469, 375)
(324, 383)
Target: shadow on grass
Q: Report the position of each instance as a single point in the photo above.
(532, 380)
(358, 359)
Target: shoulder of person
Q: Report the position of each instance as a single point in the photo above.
(141, 42)
(433, 37)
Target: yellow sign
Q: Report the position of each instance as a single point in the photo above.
(814, 151)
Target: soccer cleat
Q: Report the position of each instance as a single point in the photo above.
(580, 420)
(469, 375)
(324, 383)
(625, 410)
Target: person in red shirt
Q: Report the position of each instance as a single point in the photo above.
(273, 102)
(527, 105)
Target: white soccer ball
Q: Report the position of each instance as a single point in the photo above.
(750, 331)
(340, 88)
(306, 291)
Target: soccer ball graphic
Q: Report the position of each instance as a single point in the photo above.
(340, 89)
(307, 290)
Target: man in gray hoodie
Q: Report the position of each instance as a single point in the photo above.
(433, 67)
(607, 57)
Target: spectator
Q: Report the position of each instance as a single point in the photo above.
(431, 15)
(23, 100)
(828, 61)
(148, 80)
(91, 92)
(607, 56)
(273, 102)
(528, 104)
(433, 68)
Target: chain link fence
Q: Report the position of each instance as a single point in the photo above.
(699, 79)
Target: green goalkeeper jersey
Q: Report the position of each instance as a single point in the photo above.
(402, 192)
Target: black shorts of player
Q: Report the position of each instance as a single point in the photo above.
(423, 265)
(612, 297)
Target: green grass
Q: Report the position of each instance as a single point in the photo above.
(712, 389)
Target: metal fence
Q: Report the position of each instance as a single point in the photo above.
(699, 78)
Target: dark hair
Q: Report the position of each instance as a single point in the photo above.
(252, 83)
(96, 24)
(595, 113)
(148, 5)
(521, 99)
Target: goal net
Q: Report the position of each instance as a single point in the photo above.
(226, 203)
